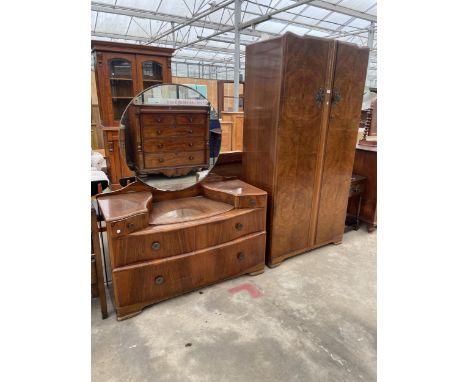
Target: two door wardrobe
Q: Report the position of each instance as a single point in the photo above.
(302, 104)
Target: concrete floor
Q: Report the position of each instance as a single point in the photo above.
(316, 321)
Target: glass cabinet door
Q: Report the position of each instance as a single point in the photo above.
(152, 73)
(121, 85)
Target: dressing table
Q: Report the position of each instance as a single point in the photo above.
(163, 244)
(172, 234)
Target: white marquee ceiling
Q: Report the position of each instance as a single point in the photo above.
(187, 24)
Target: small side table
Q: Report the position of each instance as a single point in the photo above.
(356, 189)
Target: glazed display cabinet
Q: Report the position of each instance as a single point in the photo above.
(123, 71)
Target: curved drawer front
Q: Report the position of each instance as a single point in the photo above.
(161, 279)
(151, 244)
(171, 131)
(128, 225)
(174, 144)
(170, 159)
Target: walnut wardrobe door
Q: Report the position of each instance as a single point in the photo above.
(305, 63)
(343, 124)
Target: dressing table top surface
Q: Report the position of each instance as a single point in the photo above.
(186, 209)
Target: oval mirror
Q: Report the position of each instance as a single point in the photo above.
(170, 136)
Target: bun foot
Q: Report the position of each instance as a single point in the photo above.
(256, 273)
(124, 315)
(274, 265)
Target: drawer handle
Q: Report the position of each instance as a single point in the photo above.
(190, 131)
(159, 280)
(190, 119)
(241, 256)
(190, 144)
(159, 132)
(130, 225)
(190, 157)
(156, 246)
(239, 226)
(160, 145)
(161, 160)
(158, 119)
(252, 202)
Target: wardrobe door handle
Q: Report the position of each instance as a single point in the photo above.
(320, 96)
(190, 131)
(161, 160)
(336, 96)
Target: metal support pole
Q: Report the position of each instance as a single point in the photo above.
(237, 20)
(370, 45)
(370, 38)
(173, 35)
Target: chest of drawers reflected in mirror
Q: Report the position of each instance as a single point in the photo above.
(172, 140)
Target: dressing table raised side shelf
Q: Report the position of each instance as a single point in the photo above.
(163, 244)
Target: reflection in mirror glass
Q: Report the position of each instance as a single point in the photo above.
(170, 136)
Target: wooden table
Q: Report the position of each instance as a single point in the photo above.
(97, 269)
(356, 190)
(365, 164)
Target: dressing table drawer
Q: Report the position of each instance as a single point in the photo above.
(152, 244)
(169, 159)
(161, 279)
(126, 226)
(174, 144)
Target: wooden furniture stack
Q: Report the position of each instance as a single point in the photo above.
(370, 126)
(302, 107)
(162, 244)
(123, 71)
(232, 126)
(168, 139)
